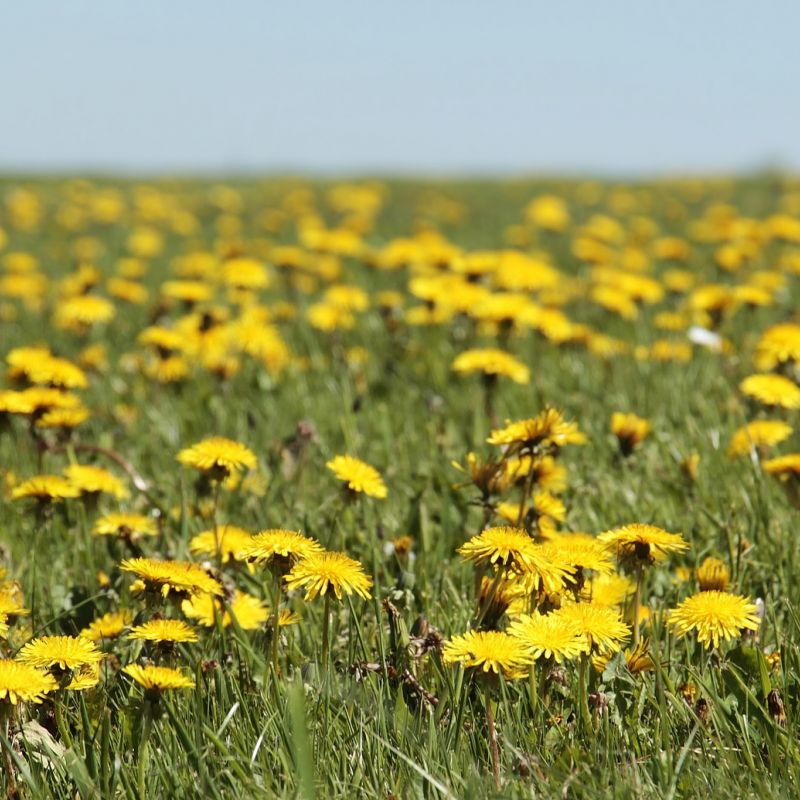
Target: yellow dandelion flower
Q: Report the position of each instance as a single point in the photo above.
(181, 577)
(279, 548)
(550, 636)
(249, 612)
(608, 590)
(163, 630)
(503, 546)
(582, 552)
(643, 542)
(714, 615)
(95, 480)
(547, 429)
(109, 626)
(491, 362)
(359, 476)
(772, 390)
(712, 574)
(601, 625)
(228, 541)
(490, 651)
(64, 652)
(52, 488)
(327, 574)
(759, 434)
(64, 418)
(783, 467)
(84, 678)
(158, 679)
(125, 525)
(630, 430)
(778, 345)
(24, 682)
(218, 455)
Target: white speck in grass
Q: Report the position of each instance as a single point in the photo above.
(259, 742)
(228, 718)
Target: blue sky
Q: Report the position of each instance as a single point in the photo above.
(442, 87)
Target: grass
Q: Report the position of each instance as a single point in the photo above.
(364, 728)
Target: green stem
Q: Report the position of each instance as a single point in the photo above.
(276, 614)
(583, 689)
(144, 749)
(217, 492)
(490, 597)
(637, 601)
(61, 723)
(326, 623)
(492, 737)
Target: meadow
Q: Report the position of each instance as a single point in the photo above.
(399, 489)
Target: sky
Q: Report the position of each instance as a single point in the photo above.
(436, 87)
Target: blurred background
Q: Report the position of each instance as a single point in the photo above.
(613, 88)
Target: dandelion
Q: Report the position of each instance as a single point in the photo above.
(549, 636)
(502, 546)
(712, 574)
(547, 430)
(602, 626)
(163, 577)
(95, 480)
(359, 477)
(218, 457)
(640, 545)
(758, 435)
(630, 431)
(45, 489)
(772, 390)
(249, 612)
(158, 679)
(19, 681)
(109, 626)
(328, 574)
(714, 615)
(125, 525)
(61, 653)
(163, 630)
(227, 543)
(277, 548)
(490, 653)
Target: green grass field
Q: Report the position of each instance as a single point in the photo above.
(284, 342)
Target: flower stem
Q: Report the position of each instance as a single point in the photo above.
(276, 615)
(637, 601)
(583, 689)
(492, 737)
(326, 622)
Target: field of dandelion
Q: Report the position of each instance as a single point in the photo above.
(399, 489)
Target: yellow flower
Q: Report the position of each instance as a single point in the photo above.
(109, 626)
(94, 480)
(51, 488)
(629, 429)
(65, 418)
(713, 615)
(228, 542)
(643, 542)
(278, 548)
(758, 434)
(580, 550)
(163, 630)
(778, 345)
(772, 390)
(79, 313)
(181, 577)
(248, 611)
(549, 636)
(601, 625)
(24, 682)
(218, 454)
(326, 573)
(358, 476)
(84, 678)
(158, 679)
(65, 652)
(548, 429)
(491, 361)
(608, 590)
(504, 546)
(125, 525)
(713, 574)
(783, 467)
(490, 651)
